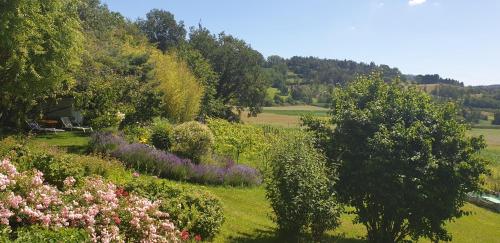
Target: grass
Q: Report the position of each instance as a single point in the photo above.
(74, 142)
(248, 219)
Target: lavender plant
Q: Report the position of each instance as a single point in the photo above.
(147, 159)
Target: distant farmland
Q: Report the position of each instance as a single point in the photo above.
(284, 116)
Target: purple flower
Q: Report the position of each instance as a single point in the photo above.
(145, 158)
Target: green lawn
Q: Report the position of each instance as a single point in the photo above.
(75, 142)
(248, 213)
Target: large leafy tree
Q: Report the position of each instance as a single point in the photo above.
(40, 44)
(404, 163)
(114, 67)
(161, 29)
(241, 80)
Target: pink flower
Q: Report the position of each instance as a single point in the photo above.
(135, 174)
(14, 201)
(197, 238)
(38, 179)
(69, 182)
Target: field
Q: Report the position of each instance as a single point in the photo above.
(248, 213)
(284, 116)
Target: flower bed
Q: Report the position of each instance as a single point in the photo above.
(105, 211)
(147, 159)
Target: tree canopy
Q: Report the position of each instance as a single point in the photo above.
(241, 81)
(162, 29)
(40, 45)
(404, 163)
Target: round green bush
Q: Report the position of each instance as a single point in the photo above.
(192, 140)
(161, 133)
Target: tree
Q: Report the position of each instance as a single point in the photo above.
(404, 163)
(161, 29)
(241, 81)
(113, 76)
(496, 119)
(40, 45)
(204, 73)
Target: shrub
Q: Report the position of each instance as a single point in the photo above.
(56, 170)
(161, 134)
(106, 120)
(107, 212)
(197, 212)
(148, 159)
(37, 234)
(137, 133)
(298, 188)
(238, 140)
(104, 142)
(193, 140)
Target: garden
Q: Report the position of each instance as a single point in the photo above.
(219, 181)
(113, 130)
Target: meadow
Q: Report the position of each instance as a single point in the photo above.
(284, 116)
(248, 213)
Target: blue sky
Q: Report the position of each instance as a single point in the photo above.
(455, 38)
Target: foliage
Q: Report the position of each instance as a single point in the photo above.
(147, 159)
(434, 79)
(40, 44)
(204, 73)
(197, 212)
(299, 189)
(238, 140)
(37, 234)
(55, 169)
(161, 133)
(404, 163)
(192, 140)
(161, 29)
(330, 71)
(112, 78)
(323, 133)
(181, 91)
(496, 119)
(137, 133)
(241, 81)
(473, 116)
(106, 212)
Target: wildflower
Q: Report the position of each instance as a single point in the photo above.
(197, 238)
(135, 174)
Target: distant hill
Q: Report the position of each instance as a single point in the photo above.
(310, 80)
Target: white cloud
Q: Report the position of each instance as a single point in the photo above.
(416, 2)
